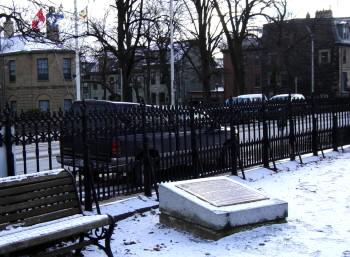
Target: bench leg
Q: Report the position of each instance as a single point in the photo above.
(108, 240)
(78, 251)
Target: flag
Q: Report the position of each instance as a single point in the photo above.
(54, 17)
(38, 20)
(83, 14)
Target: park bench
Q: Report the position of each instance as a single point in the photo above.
(40, 215)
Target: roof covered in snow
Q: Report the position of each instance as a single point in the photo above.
(18, 44)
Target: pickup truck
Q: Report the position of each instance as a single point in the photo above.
(116, 133)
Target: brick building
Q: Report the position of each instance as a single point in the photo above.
(252, 68)
(281, 63)
(288, 53)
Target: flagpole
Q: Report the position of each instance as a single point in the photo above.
(77, 61)
(172, 88)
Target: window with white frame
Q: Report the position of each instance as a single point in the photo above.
(324, 56)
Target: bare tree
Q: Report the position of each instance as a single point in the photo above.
(236, 17)
(207, 32)
(17, 16)
(119, 33)
(156, 39)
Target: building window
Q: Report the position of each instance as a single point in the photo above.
(94, 86)
(12, 71)
(154, 98)
(161, 98)
(67, 104)
(344, 30)
(67, 68)
(344, 81)
(324, 57)
(344, 55)
(43, 69)
(44, 105)
(13, 106)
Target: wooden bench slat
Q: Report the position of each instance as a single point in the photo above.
(19, 180)
(50, 232)
(29, 187)
(18, 216)
(38, 203)
(36, 194)
(50, 216)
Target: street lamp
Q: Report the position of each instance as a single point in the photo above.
(312, 59)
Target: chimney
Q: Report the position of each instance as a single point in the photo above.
(52, 31)
(8, 28)
(324, 14)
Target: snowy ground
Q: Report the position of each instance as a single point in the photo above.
(318, 195)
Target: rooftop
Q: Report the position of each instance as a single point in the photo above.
(17, 44)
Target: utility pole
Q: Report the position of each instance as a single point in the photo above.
(77, 59)
(172, 73)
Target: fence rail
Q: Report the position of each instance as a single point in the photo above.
(126, 150)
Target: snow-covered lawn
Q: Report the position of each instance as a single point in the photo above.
(318, 194)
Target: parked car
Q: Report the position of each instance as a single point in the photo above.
(249, 98)
(285, 97)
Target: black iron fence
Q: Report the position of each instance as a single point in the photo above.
(119, 150)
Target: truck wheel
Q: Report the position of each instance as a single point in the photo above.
(139, 171)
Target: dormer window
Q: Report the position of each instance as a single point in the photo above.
(344, 30)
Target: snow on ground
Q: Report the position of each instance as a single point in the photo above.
(318, 225)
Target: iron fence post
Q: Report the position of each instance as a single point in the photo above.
(233, 147)
(334, 132)
(8, 142)
(314, 129)
(291, 131)
(194, 149)
(265, 140)
(86, 169)
(146, 156)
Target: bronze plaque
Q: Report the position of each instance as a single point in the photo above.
(222, 192)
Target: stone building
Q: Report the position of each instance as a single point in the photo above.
(35, 75)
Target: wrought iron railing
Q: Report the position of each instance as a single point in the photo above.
(130, 149)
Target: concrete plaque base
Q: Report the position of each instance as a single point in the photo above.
(211, 211)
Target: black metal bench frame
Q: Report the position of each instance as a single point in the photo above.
(30, 203)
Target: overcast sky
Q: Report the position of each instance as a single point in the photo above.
(299, 8)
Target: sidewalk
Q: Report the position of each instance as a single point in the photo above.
(122, 209)
(129, 206)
